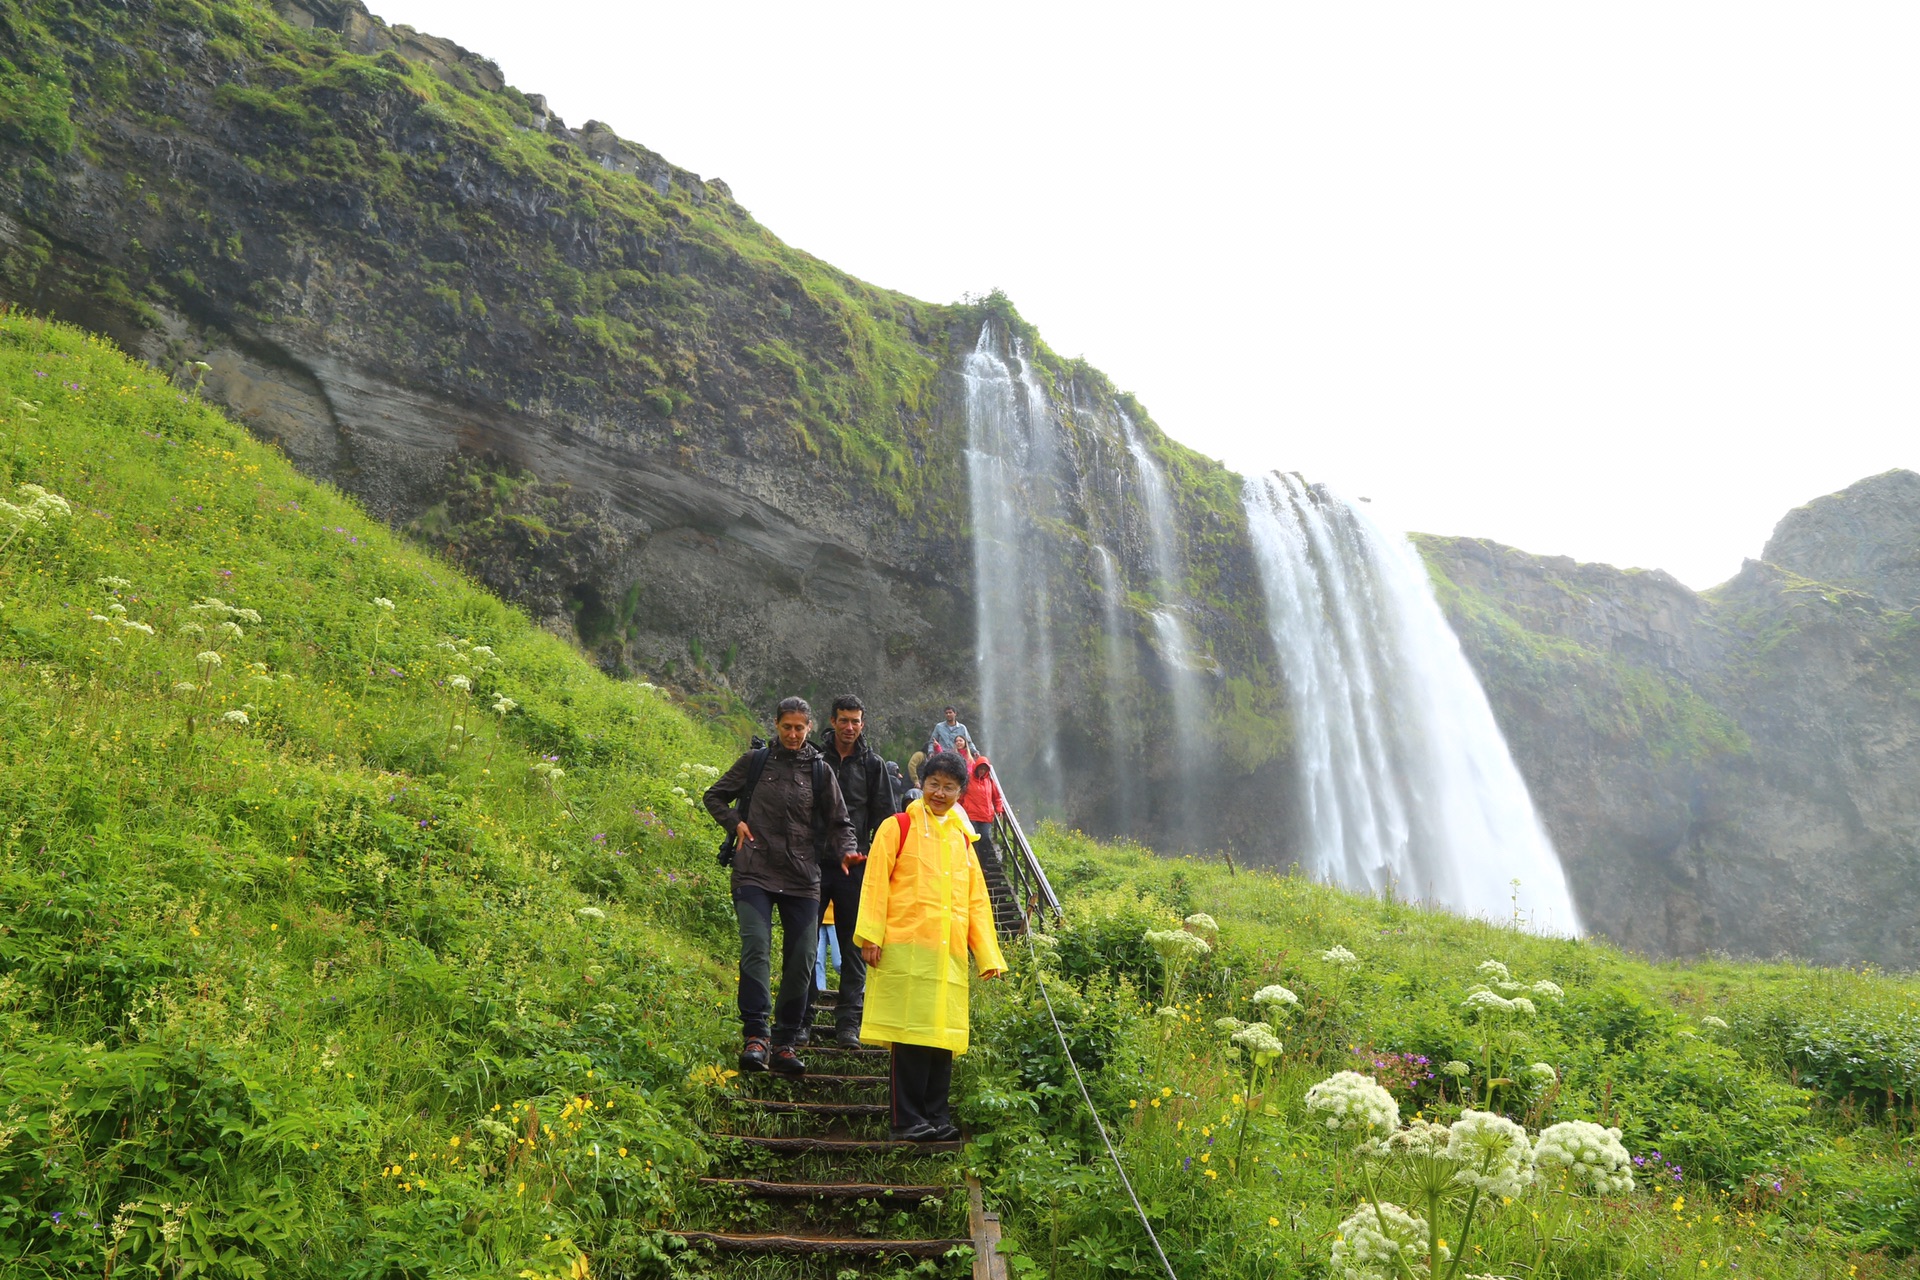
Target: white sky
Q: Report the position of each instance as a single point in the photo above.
(1623, 281)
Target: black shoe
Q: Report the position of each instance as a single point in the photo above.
(947, 1133)
(754, 1056)
(786, 1062)
(802, 1038)
(919, 1133)
(847, 1038)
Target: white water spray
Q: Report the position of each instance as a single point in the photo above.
(1407, 784)
(1119, 666)
(1011, 460)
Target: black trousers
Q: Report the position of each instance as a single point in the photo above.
(842, 889)
(800, 930)
(922, 1076)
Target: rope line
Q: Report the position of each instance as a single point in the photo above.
(1039, 978)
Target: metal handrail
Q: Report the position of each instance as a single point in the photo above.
(1032, 890)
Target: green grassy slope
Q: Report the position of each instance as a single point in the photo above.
(328, 991)
(318, 991)
(1779, 1144)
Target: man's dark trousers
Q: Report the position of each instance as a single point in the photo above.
(842, 889)
(800, 933)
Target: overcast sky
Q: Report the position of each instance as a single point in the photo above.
(1621, 281)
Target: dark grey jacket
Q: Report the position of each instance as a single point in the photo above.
(780, 858)
(863, 785)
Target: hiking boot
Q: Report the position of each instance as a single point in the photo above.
(754, 1056)
(847, 1038)
(786, 1062)
(803, 1037)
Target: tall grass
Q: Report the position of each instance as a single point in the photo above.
(313, 962)
(1780, 1144)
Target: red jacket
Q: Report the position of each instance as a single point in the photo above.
(983, 801)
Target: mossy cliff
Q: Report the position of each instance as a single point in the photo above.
(586, 373)
(596, 382)
(1735, 769)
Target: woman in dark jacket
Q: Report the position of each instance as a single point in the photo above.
(786, 814)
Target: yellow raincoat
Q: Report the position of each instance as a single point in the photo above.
(924, 905)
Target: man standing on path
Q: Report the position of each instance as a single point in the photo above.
(947, 732)
(864, 784)
(787, 820)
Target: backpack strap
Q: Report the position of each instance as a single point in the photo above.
(906, 825)
(756, 765)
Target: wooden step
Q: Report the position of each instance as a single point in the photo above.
(825, 1077)
(776, 1243)
(828, 1190)
(841, 1146)
(818, 1108)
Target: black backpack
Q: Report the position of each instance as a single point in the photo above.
(756, 765)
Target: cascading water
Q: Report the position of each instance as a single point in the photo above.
(1118, 667)
(1011, 457)
(1406, 781)
(1176, 649)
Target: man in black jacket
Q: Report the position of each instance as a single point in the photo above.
(868, 791)
(784, 809)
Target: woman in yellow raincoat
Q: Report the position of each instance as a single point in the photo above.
(924, 903)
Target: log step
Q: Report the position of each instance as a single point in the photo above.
(841, 1146)
(776, 1243)
(828, 1190)
(819, 1108)
(825, 1077)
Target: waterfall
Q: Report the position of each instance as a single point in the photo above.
(1121, 731)
(1406, 783)
(1011, 460)
(1176, 650)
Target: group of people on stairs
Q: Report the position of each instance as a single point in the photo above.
(811, 824)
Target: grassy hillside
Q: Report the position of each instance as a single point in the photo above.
(309, 956)
(1769, 1109)
(316, 963)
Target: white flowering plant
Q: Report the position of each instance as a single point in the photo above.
(1177, 948)
(1479, 1162)
(1500, 1006)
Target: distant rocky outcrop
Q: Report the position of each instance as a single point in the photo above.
(1866, 537)
(1736, 769)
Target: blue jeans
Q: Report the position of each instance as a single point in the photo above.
(829, 954)
(799, 922)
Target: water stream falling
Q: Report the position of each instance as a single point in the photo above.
(1184, 685)
(1406, 782)
(1119, 667)
(1011, 460)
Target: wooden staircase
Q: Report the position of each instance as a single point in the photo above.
(812, 1187)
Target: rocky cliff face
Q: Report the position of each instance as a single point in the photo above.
(593, 378)
(1737, 769)
(587, 373)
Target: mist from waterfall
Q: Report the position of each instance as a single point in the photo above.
(1175, 645)
(1406, 783)
(1011, 460)
(1119, 666)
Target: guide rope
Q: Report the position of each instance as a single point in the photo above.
(1039, 978)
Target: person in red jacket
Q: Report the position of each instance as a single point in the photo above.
(983, 802)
